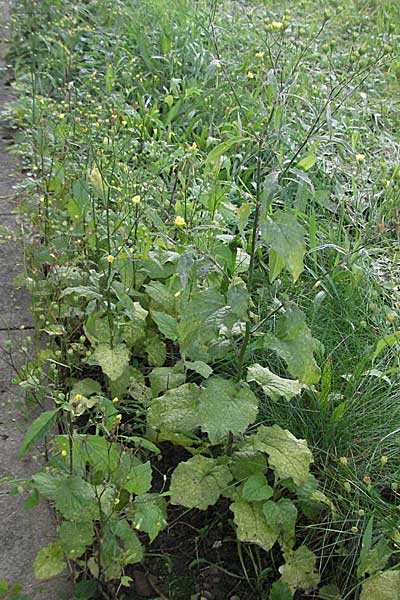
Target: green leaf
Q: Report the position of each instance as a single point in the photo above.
(85, 589)
(150, 514)
(329, 592)
(288, 456)
(86, 387)
(166, 378)
(280, 591)
(375, 559)
(307, 161)
(37, 430)
(256, 489)
(385, 342)
(49, 561)
(112, 360)
(243, 214)
(382, 586)
(3, 587)
(294, 343)
(176, 411)
(75, 499)
(75, 537)
(214, 157)
(200, 367)
(198, 482)
(273, 385)
(156, 351)
(139, 479)
(238, 299)
(166, 324)
(285, 237)
(252, 525)
(226, 407)
(299, 570)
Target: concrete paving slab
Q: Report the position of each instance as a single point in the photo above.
(22, 533)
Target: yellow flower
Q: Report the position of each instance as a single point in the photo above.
(179, 221)
(78, 397)
(343, 460)
(260, 55)
(250, 75)
(136, 199)
(276, 25)
(360, 158)
(317, 284)
(118, 417)
(63, 453)
(110, 258)
(193, 146)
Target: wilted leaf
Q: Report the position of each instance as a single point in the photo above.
(273, 385)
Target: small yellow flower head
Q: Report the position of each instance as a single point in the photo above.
(179, 221)
(360, 158)
(354, 529)
(384, 460)
(317, 284)
(260, 55)
(118, 417)
(361, 512)
(250, 75)
(136, 199)
(193, 146)
(110, 258)
(177, 294)
(343, 460)
(63, 453)
(155, 130)
(78, 397)
(277, 25)
(115, 400)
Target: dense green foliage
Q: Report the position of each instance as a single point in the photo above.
(213, 193)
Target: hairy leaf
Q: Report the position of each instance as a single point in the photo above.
(198, 482)
(49, 561)
(294, 343)
(226, 407)
(288, 456)
(252, 525)
(382, 586)
(112, 360)
(285, 238)
(299, 570)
